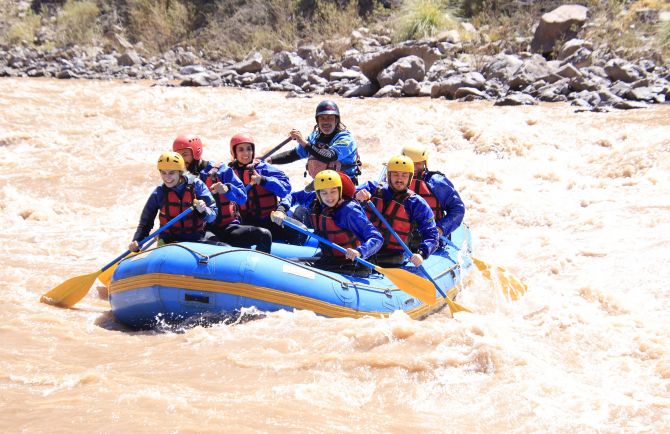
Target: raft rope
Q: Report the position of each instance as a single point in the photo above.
(204, 259)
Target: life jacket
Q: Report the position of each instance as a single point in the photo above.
(396, 215)
(323, 223)
(172, 206)
(420, 187)
(228, 211)
(260, 201)
(314, 166)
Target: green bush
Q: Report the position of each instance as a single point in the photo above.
(423, 18)
(77, 23)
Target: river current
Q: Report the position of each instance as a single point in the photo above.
(577, 205)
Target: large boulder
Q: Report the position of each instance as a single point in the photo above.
(558, 26)
(621, 70)
(253, 63)
(502, 67)
(572, 46)
(129, 58)
(449, 87)
(515, 98)
(404, 69)
(313, 55)
(371, 64)
(285, 60)
(530, 71)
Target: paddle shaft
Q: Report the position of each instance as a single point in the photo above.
(408, 252)
(266, 155)
(155, 233)
(410, 283)
(275, 149)
(326, 242)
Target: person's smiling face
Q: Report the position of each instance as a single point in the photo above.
(171, 177)
(327, 123)
(244, 153)
(329, 196)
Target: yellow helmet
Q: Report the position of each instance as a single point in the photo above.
(327, 179)
(171, 161)
(418, 153)
(400, 163)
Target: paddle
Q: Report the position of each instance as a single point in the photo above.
(512, 287)
(106, 276)
(266, 155)
(68, 293)
(403, 279)
(455, 307)
(275, 149)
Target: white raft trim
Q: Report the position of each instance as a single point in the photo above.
(298, 271)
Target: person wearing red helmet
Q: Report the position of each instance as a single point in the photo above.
(265, 185)
(179, 191)
(334, 215)
(229, 193)
(329, 146)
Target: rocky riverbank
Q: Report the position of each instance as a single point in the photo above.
(592, 78)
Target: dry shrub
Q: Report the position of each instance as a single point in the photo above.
(662, 37)
(159, 25)
(616, 26)
(77, 23)
(507, 31)
(329, 20)
(20, 30)
(237, 28)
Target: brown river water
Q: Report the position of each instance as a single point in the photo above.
(577, 205)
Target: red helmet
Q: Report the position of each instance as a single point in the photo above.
(348, 187)
(188, 141)
(241, 138)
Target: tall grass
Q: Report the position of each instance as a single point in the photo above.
(77, 22)
(615, 26)
(21, 30)
(159, 24)
(662, 37)
(238, 27)
(423, 18)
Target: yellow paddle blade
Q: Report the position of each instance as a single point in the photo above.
(512, 287)
(412, 284)
(106, 276)
(455, 307)
(68, 293)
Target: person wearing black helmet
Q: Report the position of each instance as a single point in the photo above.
(329, 146)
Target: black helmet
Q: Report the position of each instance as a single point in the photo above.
(327, 107)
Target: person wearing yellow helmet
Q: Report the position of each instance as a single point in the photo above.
(334, 215)
(329, 146)
(408, 214)
(438, 191)
(178, 192)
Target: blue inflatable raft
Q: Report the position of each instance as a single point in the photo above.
(177, 282)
